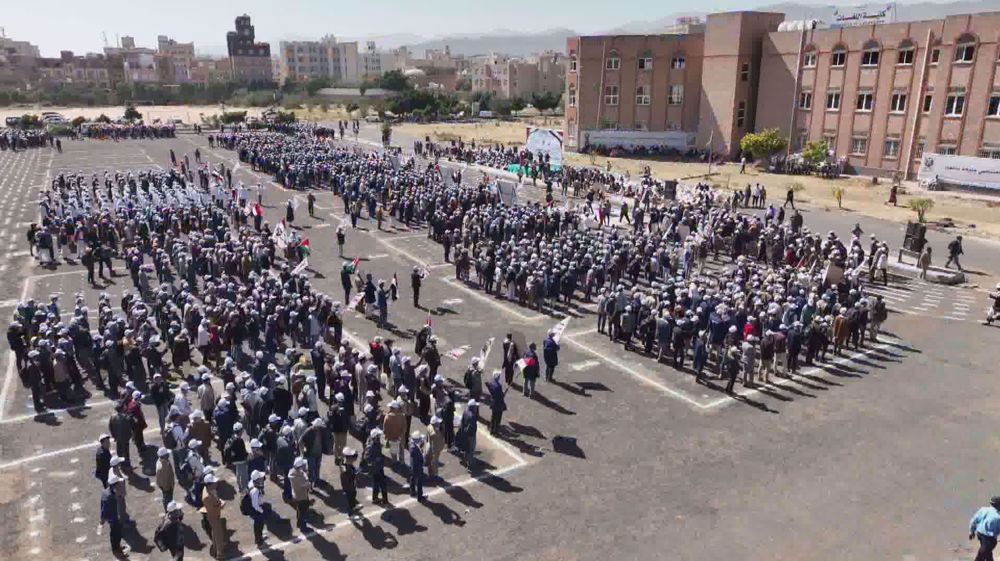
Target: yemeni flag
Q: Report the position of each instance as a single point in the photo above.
(257, 211)
(428, 323)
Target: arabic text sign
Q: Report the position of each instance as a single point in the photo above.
(960, 170)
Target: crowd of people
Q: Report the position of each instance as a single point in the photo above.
(229, 344)
(248, 366)
(15, 139)
(126, 131)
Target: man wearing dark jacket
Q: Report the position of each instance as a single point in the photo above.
(550, 351)
(102, 462)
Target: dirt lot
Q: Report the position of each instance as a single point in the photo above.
(187, 113)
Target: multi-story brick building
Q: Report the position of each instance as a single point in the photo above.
(700, 79)
(250, 60)
(880, 95)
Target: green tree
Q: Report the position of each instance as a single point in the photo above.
(517, 104)
(762, 145)
(233, 117)
(546, 101)
(394, 81)
(30, 121)
(283, 117)
(102, 118)
(815, 152)
(921, 207)
(78, 121)
(132, 114)
(314, 85)
(364, 87)
(464, 84)
(500, 107)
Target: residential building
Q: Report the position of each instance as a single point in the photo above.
(250, 60)
(130, 64)
(883, 95)
(174, 60)
(208, 70)
(507, 78)
(69, 70)
(327, 58)
(18, 61)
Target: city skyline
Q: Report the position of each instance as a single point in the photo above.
(81, 29)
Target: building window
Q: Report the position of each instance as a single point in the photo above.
(611, 95)
(678, 62)
(646, 63)
(965, 52)
(918, 150)
(802, 139)
(869, 57)
(572, 64)
(859, 146)
(865, 101)
(898, 103)
(947, 150)
(991, 152)
(833, 101)
(891, 148)
(935, 55)
(831, 140)
(838, 58)
(572, 96)
(675, 95)
(928, 101)
(955, 104)
(905, 57)
(741, 113)
(744, 72)
(805, 100)
(994, 108)
(613, 62)
(809, 61)
(642, 95)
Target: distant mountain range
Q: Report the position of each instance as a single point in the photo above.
(524, 44)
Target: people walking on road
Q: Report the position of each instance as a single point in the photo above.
(985, 527)
(954, 251)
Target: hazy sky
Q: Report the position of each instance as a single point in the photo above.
(77, 25)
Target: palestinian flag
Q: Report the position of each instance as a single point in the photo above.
(304, 247)
(354, 264)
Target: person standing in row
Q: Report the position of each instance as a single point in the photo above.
(111, 517)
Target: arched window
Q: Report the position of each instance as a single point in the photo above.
(614, 61)
(838, 57)
(965, 49)
(870, 54)
(905, 53)
(646, 61)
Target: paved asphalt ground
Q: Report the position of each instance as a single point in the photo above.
(880, 454)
